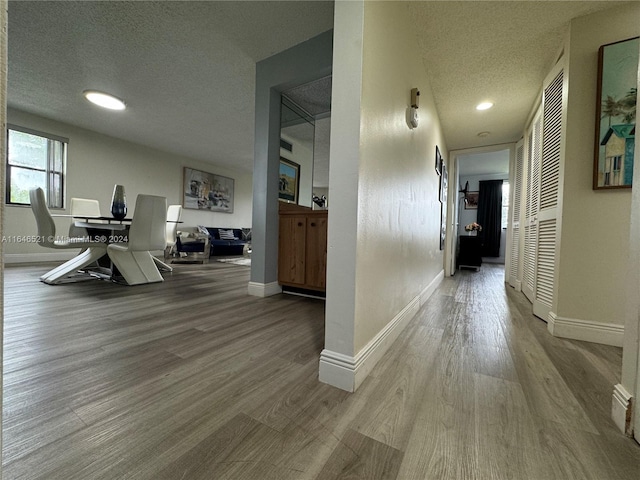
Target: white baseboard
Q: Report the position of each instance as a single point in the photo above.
(347, 372)
(621, 407)
(59, 256)
(586, 330)
(256, 289)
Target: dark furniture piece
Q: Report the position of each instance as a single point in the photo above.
(226, 246)
(469, 255)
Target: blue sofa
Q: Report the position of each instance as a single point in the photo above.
(226, 245)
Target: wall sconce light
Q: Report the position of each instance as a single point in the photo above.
(413, 113)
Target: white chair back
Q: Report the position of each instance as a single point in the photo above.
(147, 231)
(85, 207)
(44, 221)
(174, 214)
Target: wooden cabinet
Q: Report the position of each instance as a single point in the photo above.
(302, 248)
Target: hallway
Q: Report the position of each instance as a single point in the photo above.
(191, 379)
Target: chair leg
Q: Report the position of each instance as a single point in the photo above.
(136, 267)
(63, 273)
(163, 267)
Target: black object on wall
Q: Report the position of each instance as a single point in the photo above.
(490, 216)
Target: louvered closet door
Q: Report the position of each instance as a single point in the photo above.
(515, 279)
(532, 204)
(553, 121)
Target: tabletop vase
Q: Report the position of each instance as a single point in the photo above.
(119, 203)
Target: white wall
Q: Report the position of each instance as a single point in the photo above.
(384, 221)
(595, 224)
(97, 162)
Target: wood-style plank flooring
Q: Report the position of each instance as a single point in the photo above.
(194, 379)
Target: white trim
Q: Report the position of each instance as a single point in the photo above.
(517, 284)
(585, 330)
(621, 408)
(40, 257)
(347, 372)
(429, 289)
(264, 289)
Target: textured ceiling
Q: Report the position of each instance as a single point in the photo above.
(478, 51)
(187, 69)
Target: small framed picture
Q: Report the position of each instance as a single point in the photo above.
(471, 201)
(438, 161)
(289, 185)
(444, 184)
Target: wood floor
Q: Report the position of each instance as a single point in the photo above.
(193, 379)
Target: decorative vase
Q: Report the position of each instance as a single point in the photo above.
(119, 203)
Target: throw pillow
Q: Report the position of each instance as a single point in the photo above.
(226, 234)
(202, 229)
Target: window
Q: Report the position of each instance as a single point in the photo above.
(35, 159)
(505, 204)
(617, 161)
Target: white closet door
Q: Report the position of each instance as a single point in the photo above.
(515, 267)
(532, 204)
(553, 122)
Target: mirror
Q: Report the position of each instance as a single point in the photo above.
(297, 136)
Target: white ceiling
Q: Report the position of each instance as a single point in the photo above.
(483, 163)
(186, 69)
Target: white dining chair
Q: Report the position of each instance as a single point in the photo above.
(174, 213)
(81, 208)
(146, 234)
(68, 271)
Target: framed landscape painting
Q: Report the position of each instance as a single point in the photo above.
(616, 115)
(289, 185)
(207, 191)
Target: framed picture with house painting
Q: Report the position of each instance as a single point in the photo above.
(616, 114)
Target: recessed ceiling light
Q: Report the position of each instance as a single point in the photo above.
(104, 100)
(484, 106)
(483, 134)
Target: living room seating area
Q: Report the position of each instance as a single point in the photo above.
(227, 241)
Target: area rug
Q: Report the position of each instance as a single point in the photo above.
(236, 261)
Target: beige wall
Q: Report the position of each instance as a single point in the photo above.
(595, 224)
(398, 252)
(384, 256)
(97, 162)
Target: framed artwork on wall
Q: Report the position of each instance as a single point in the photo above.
(207, 191)
(616, 104)
(443, 224)
(471, 200)
(438, 161)
(289, 185)
(444, 184)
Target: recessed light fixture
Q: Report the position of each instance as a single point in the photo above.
(104, 100)
(483, 134)
(484, 106)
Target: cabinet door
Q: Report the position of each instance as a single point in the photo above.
(316, 257)
(291, 249)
